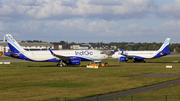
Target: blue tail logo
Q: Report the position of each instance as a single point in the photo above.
(16, 50)
(164, 49)
(165, 46)
(13, 45)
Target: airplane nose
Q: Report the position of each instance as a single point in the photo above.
(113, 56)
(106, 56)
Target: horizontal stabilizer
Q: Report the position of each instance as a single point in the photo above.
(11, 54)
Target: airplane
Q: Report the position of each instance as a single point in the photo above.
(67, 57)
(140, 56)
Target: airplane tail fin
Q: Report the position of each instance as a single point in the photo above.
(164, 47)
(13, 45)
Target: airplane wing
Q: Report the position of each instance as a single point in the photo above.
(128, 56)
(63, 58)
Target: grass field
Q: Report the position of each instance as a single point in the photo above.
(37, 81)
(5, 57)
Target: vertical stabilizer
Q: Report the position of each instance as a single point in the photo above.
(164, 47)
(13, 45)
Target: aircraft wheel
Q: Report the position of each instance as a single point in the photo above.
(59, 65)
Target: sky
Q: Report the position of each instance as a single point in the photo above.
(91, 20)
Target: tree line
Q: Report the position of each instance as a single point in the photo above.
(126, 45)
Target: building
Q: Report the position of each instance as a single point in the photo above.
(61, 47)
(27, 46)
(79, 47)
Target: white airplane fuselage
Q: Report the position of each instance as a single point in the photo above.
(142, 55)
(85, 55)
(73, 57)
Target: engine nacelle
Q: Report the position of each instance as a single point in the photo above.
(75, 61)
(123, 59)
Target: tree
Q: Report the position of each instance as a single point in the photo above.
(62, 43)
(129, 47)
(177, 49)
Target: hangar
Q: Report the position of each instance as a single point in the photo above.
(27, 46)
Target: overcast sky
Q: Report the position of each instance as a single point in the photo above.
(91, 20)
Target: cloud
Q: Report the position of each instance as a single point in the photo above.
(171, 23)
(88, 9)
(170, 28)
(22, 2)
(95, 31)
(52, 10)
(122, 9)
(89, 20)
(105, 2)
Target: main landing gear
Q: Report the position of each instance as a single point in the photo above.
(135, 60)
(61, 64)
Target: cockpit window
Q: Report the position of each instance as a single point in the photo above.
(102, 53)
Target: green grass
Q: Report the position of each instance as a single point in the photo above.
(175, 53)
(45, 83)
(171, 92)
(37, 81)
(5, 57)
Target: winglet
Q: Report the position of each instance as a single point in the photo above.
(51, 51)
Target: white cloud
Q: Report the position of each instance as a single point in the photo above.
(22, 2)
(88, 18)
(95, 31)
(176, 1)
(172, 22)
(104, 2)
(103, 9)
(117, 9)
(170, 28)
(54, 9)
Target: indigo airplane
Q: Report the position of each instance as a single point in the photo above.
(140, 56)
(67, 57)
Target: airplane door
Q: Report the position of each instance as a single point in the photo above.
(95, 54)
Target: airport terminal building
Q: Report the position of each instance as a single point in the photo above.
(27, 46)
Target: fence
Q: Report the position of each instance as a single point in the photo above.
(125, 98)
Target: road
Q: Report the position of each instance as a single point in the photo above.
(119, 94)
